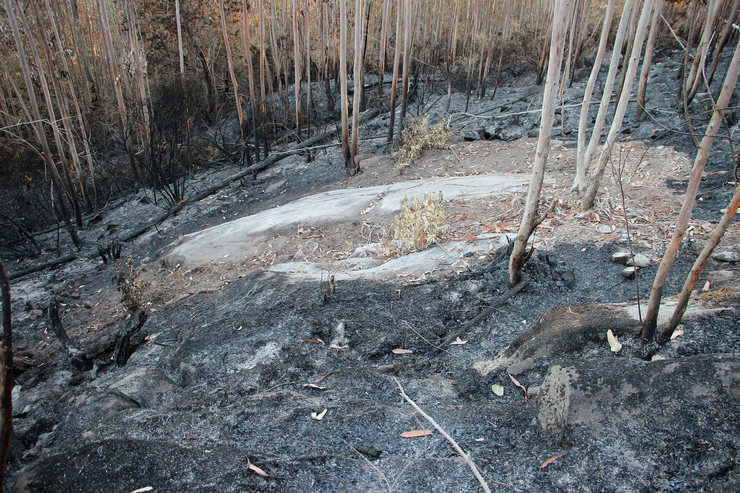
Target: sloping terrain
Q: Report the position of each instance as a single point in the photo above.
(247, 346)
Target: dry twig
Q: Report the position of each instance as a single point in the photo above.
(460, 451)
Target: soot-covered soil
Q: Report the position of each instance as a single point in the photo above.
(235, 362)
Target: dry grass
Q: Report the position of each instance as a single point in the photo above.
(421, 223)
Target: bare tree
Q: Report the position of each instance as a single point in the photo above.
(343, 81)
(230, 64)
(531, 218)
(619, 112)
(358, 83)
(648, 58)
(651, 317)
(396, 59)
(581, 163)
(296, 67)
(717, 234)
(36, 125)
(585, 161)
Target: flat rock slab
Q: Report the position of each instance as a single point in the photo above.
(611, 396)
(440, 259)
(234, 240)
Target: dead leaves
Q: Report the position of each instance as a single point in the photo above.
(614, 343)
(319, 416)
(401, 351)
(258, 470)
(516, 382)
(415, 433)
(552, 459)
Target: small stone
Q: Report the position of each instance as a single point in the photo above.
(36, 314)
(74, 294)
(567, 130)
(640, 261)
(629, 272)
(605, 229)
(87, 304)
(726, 256)
(556, 142)
(582, 215)
(620, 257)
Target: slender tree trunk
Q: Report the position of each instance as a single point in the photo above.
(407, 44)
(230, 64)
(717, 234)
(648, 58)
(651, 317)
(530, 219)
(38, 130)
(396, 59)
(628, 46)
(581, 164)
(181, 57)
(254, 108)
(386, 17)
(730, 21)
(116, 83)
(296, 68)
(642, 25)
(696, 76)
(357, 96)
(307, 43)
(343, 81)
(80, 120)
(608, 84)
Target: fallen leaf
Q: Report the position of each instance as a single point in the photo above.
(552, 459)
(471, 237)
(314, 341)
(497, 389)
(415, 433)
(676, 333)
(516, 382)
(614, 344)
(313, 386)
(706, 287)
(657, 357)
(143, 490)
(337, 346)
(401, 351)
(258, 470)
(319, 416)
(458, 342)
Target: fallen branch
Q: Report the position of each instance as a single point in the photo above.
(466, 457)
(40, 267)
(498, 302)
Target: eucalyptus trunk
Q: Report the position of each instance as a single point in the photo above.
(619, 112)
(651, 317)
(531, 218)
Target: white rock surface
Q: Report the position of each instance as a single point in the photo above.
(235, 240)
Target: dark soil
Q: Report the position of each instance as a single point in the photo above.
(218, 378)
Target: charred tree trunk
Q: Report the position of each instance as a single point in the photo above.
(651, 318)
(531, 218)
